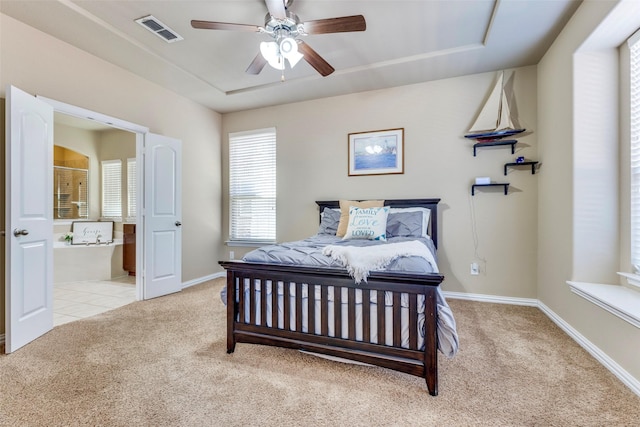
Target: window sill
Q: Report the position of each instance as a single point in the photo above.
(618, 300)
(249, 243)
(632, 279)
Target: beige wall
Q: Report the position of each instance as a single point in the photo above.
(559, 219)
(312, 165)
(42, 65)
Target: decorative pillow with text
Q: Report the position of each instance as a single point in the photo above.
(344, 211)
(367, 223)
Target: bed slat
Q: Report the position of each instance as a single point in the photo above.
(381, 317)
(298, 307)
(252, 301)
(311, 303)
(413, 326)
(263, 302)
(351, 313)
(366, 315)
(287, 305)
(337, 311)
(274, 303)
(324, 314)
(397, 320)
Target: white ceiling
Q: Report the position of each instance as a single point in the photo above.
(406, 42)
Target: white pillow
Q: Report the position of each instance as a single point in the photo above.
(367, 223)
(426, 215)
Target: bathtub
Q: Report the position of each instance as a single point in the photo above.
(75, 263)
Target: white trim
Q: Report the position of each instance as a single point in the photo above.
(617, 300)
(617, 370)
(250, 243)
(625, 377)
(203, 279)
(531, 302)
(635, 37)
(83, 113)
(632, 279)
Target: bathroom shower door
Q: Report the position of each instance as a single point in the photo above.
(29, 219)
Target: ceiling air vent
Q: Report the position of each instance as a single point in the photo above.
(154, 25)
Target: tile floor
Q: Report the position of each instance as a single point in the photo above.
(77, 300)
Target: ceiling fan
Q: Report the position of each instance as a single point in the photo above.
(285, 28)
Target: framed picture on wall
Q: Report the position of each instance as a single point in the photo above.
(378, 152)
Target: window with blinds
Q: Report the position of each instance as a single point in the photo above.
(634, 48)
(111, 188)
(131, 188)
(252, 186)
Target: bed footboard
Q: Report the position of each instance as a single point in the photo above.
(389, 321)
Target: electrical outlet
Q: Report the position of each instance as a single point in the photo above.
(475, 270)
(232, 255)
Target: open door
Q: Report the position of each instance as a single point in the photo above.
(162, 257)
(29, 219)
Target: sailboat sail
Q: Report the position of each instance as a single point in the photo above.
(494, 120)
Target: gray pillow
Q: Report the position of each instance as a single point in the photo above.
(404, 224)
(329, 222)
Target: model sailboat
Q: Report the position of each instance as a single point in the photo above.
(494, 121)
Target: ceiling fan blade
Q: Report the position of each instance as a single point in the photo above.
(315, 60)
(210, 25)
(336, 25)
(257, 64)
(276, 8)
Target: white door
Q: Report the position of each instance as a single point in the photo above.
(162, 257)
(29, 219)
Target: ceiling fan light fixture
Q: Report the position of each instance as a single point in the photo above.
(294, 58)
(289, 49)
(288, 45)
(271, 52)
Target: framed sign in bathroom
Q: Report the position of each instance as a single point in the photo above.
(91, 232)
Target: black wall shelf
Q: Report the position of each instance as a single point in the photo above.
(532, 164)
(495, 184)
(511, 142)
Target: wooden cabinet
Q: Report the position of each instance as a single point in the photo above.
(129, 248)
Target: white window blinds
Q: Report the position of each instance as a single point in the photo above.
(131, 188)
(634, 48)
(111, 189)
(252, 185)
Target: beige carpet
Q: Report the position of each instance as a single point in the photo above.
(163, 363)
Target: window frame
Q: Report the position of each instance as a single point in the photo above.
(256, 192)
(117, 189)
(132, 189)
(633, 159)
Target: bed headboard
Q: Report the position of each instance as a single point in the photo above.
(431, 204)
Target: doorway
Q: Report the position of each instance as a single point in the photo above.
(91, 158)
(29, 201)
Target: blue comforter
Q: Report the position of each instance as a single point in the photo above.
(308, 252)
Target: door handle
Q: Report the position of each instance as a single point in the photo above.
(17, 232)
(178, 223)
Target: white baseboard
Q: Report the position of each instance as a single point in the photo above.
(491, 298)
(203, 279)
(617, 370)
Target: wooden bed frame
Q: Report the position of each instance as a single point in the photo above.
(412, 360)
